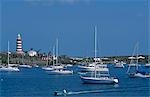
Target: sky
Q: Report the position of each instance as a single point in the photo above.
(120, 24)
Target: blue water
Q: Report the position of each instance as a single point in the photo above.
(36, 82)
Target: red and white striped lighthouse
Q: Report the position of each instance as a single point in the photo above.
(19, 45)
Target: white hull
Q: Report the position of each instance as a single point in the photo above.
(25, 66)
(9, 69)
(69, 65)
(139, 75)
(100, 80)
(47, 68)
(62, 72)
(119, 65)
(57, 67)
(53, 67)
(147, 65)
(11, 65)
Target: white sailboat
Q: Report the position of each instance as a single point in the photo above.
(133, 58)
(118, 64)
(58, 68)
(90, 66)
(25, 66)
(9, 66)
(49, 68)
(57, 65)
(61, 71)
(22, 65)
(97, 77)
(137, 73)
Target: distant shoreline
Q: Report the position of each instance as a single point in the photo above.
(42, 60)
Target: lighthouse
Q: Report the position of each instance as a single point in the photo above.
(19, 45)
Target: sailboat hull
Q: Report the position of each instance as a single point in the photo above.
(61, 72)
(53, 67)
(147, 65)
(134, 75)
(101, 80)
(9, 69)
(25, 66)
(118, 65)
(57, 67)
(47, 68)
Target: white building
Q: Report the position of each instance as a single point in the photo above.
(32, 53)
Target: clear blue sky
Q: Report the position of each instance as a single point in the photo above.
(120, 23)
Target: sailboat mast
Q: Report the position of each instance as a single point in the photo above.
(95, 31)
(133, 58)
(47, 58)
(8, 54)
(57, 51)
(137, 55)
(22, 58)
(53, 55)
(95, 43)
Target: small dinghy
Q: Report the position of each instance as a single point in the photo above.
(61, 93)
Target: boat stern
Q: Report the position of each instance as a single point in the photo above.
(116, 80)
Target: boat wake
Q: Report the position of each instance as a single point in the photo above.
(122, 89)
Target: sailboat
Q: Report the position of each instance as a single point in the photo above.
(118, 64)
(49, 67)
(98, 77)
(61, 71)
(24, 65)
(9, 67)
(137, 72)
(58, 68)
(90, 66)
(57, 65)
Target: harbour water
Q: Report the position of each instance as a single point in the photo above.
(36, 82)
